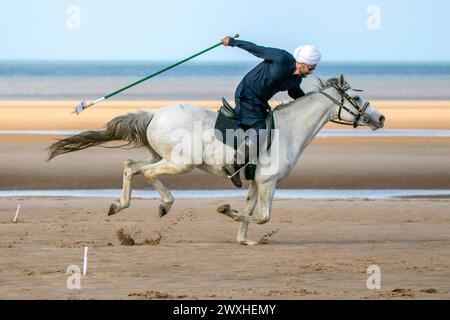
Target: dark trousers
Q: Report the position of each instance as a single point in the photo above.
(251, 114)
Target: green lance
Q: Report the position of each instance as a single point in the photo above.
(83, 105)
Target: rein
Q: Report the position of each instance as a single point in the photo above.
(344, 95)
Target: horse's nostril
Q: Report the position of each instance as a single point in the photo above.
(381, 119)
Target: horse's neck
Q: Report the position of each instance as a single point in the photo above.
(304, 118)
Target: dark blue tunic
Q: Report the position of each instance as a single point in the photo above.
(273, 75)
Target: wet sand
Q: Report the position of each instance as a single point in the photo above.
(327, 163)
(318, 249)
(337, 163)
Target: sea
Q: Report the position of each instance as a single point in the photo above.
(207, 80)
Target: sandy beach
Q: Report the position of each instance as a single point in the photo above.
(46, 115)
(316, 249)
(363, 214)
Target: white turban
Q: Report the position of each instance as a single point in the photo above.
(308, 54)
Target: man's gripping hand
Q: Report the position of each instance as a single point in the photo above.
(225, 41)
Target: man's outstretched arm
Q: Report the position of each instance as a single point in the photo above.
(259, 51)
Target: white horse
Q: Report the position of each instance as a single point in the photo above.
(297, 123)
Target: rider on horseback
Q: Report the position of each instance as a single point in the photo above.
(280, 71)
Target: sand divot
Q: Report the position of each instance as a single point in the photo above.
(128, 239)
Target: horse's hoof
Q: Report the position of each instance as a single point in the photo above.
(224, 209)
(112, 209)
(248, 242)
(163, 210)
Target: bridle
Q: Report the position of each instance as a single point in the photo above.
(345, 96)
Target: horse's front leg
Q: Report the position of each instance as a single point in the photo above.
(265, 196)
(266, 192)
(249, 207)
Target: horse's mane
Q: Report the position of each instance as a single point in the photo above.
(320, 86)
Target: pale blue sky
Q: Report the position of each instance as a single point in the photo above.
(414, 30)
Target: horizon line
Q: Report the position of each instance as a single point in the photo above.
(215, 61)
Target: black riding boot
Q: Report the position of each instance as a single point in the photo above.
(231, 169)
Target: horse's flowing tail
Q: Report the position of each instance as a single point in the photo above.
(131, 127)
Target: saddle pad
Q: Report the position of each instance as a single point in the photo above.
(224, 123)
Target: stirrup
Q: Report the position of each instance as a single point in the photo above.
(230, 170)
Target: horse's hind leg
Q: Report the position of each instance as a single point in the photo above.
(131, 168)
(167, 198)
(151, 173)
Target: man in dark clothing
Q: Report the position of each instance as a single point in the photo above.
(280, 71)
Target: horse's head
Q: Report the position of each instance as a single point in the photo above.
(352, 109)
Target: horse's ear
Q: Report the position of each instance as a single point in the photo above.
(341, 80)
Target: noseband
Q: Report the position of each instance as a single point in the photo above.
(345, 96)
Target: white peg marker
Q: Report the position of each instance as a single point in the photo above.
(85, 261)
(17, 213)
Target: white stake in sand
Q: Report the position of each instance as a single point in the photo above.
(85, 261)
(17, 213)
